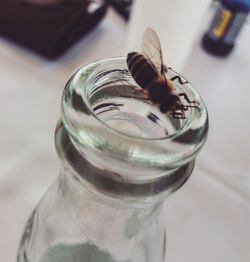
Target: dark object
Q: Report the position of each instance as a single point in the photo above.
(228, 20)
(123, 7)
(49, 30)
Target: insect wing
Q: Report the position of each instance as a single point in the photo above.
(151, 49)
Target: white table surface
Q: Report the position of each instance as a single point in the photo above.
(207, 220)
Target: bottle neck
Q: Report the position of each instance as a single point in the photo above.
(112, 223)
(77, 192)
(107, 184)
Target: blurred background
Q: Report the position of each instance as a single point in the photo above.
(43, 42)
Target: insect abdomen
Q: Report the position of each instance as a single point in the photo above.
(142, 72)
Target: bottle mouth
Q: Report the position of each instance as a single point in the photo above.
(125, 109)
(105, 114)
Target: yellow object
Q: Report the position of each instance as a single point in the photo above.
(223, 23)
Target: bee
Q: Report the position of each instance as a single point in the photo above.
(149, 72)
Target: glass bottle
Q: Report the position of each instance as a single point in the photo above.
(121, 157)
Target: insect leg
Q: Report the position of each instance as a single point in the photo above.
(179, 80)
(187, 99)
(174, 77)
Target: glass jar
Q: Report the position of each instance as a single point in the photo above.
(121, 157)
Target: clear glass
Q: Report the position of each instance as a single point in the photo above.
(121, 157)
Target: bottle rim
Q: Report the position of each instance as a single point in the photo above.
(99, 138)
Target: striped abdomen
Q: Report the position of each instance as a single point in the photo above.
(140, 69)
